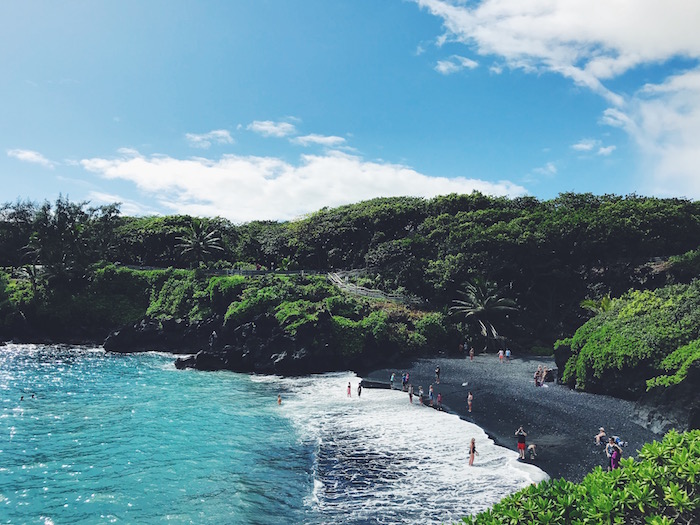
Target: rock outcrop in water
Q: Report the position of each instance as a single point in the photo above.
(259, 345)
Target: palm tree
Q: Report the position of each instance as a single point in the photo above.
(197, 243)
(483, 301)
(597, 307)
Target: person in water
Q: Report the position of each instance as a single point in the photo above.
(349, 389)
(279, 399)
(470, 398)
(521, 435)
(472, 452)
(359, 389)
(437, 374)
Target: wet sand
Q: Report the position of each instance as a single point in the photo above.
(560, 421)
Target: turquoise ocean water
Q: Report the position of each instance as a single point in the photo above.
(113, 438)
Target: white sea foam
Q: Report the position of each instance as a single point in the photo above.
(380, 459)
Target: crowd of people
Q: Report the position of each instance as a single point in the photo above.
(613, 444)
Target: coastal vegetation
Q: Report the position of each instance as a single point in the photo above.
(653, 331)
(610, 277)
(660, 487)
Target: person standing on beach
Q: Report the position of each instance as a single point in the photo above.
(420, 394)
(393, 377)
(472, 452)
(410, 393)
(500, 355)
(470, 398)
(508, 354)
(615, 454)
(439, 401)
(431, 394)
(349, 389)
(521, 435)
(359, 389)
(471, 354)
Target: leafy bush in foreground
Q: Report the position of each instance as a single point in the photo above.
(661, 487)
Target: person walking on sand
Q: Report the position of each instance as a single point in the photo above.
(508, 354)
(471, 354)
(500, 355)
(472, 452)
(410, 393)
(349, 389)
(431, 395)
(614, 453)
(521, 435)
(439, 401)
(470, 398)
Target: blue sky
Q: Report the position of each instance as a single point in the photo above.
(262, 109)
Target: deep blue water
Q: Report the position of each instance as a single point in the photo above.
(112, 438)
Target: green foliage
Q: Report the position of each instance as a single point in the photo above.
(431, 328)
(223, 291)
(293, 314)
(677, 364)
(641, 328)
(182, 295)
(662, 486)
(542, 350)
(685, 267)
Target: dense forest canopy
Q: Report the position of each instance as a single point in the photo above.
(550, 255)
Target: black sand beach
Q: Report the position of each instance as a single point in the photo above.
(561, 422)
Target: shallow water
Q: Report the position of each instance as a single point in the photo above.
(130, 439)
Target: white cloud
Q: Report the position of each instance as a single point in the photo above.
(548, 169)
(454, 64)
(205, 140)
(592, 43)
(128, 207)
(34, 157)
(268, 128)
(585, 145)
(244, 188)
(323, 140)
(605, 151)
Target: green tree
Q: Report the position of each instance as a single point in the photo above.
(198, 243)
(483, 301)
(597, 306)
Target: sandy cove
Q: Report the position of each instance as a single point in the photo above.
(560, 421)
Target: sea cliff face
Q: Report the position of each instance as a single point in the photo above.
(259, 345)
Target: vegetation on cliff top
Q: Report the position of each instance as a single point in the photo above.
(549, 256)
(656, 332)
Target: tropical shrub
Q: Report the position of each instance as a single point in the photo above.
(641, 329)
(661, 486)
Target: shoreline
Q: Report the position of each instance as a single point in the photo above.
(560, 421)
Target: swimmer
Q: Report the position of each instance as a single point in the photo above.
(279, 399)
